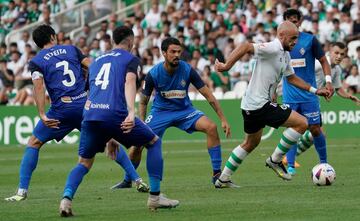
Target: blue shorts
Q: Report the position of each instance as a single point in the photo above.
(160, 120)
(311, 110)
(70, 119)
(95, 135)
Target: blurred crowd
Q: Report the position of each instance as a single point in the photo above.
(208, 30)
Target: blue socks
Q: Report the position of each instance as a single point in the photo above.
(27, 166)
(73, 181)
(290, 155)
(123, 160)
(320, 146)
(154, 165)
(127, 177)
(215, 157)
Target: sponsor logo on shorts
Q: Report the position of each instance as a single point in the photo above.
(193, 114)
(284, 106)
(312, 114)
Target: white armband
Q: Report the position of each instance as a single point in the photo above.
(312, 90)
(36, 75)
(328, 79)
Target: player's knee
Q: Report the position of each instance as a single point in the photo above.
(34, 142)
(86, 162)
(135, 153)
(315, 130)
(211, 129)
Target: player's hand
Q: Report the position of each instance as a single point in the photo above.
(226, 127)
(52, 123)
(112, 148)
(323, 92)
(329, 86)
(355, 99)
(274, 98)
(128, 124)
(220, 67)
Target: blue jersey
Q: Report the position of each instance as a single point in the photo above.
(171, 89)
(107, 76)
(60, 67)
(303, 56)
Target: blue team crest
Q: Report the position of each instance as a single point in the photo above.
(183, 83)
(302, 51)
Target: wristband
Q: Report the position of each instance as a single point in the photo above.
(328, 78)
(312, 90)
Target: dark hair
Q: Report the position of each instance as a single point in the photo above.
(339, 44)
(121, 33)
(169, 41)
(291, 12)
(42, 35)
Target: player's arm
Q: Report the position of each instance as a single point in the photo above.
(300, 83)
(206, 92)
(130, 93)
(85, 61)
(145, 95)
(39, 96)
(234, 56)
(342, 93)
(320, 55)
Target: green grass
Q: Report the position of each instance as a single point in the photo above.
(262, 195)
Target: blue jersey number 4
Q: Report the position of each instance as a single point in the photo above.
(103, 76)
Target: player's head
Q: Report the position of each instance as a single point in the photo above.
(171, 49)
(43, 35)
(293, 15)
(337, 52)
(288, 33)
(124, 36)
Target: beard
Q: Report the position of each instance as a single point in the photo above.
(175, 63)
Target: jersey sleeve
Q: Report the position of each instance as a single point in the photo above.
(35, 71)
(317, 50)
(148, 85)
(79, 54)
(195, 79)
(265, 49)
(134, 66)
(289, 69)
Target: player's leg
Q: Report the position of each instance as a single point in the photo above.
(237, 156)
(208, 127)
(296, 125)
(135, 159)
(41, 135)
(123, 160)
(158, 122)
(27, 166)
(312, 112)
(142, 135)
(305, 142)
(91, 142)
(154, 165)
(291, 154)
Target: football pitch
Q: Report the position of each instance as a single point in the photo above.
(187, 173)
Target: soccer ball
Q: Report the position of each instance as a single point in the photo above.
(323, 174)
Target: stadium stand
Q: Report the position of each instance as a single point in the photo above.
(208, 30)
